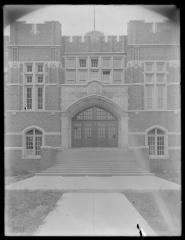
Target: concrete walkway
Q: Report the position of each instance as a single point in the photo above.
(105, 214)
(114, 183)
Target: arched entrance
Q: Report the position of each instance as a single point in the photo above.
(94, 127)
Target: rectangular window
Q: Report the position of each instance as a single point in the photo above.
(40, 78)
(40, 98)
(94, 62)
(160, 66)
(40, 68)
(28, 68)
(117, 62)
(151, 144)
(117, 76)
(29, 97)
(82, 62)
(160, 77)
(106, 75)
(106, 62)
(149, 67)
(149, 78)
(53, 54)
(71, 75)
(160, 145)
(149, 97)
(160, 96)
(82, 75)
(71, 62)
(15, 54)
(38, 144)
(94, 75)
(29, 78)
(29, 142)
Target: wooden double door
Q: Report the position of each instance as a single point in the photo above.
(94, 127)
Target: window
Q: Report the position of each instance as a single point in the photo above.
(149, 78)
(71, 75)
(117, 62)
(160, 77)
(149, 67)
(29, 68)
(117, 76)
(156, 142)
(33, 142)
(149, 97)
(106, 75)
(94, 75)
(29, 97)
(106, 62)
(29, 78)
(71, 62)
(15, 54)
(82, 62)
(160, 96)
(160, 66)
(40, 68)
(94, 62)
(53, 54)
(40, 98)
(82, 75)
(40, 78)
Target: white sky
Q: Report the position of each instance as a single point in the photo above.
(78, 19)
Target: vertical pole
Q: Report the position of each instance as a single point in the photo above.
(94, 18)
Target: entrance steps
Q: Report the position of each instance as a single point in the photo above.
(98, 162)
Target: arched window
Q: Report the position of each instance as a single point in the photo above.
(157, 142)
(33, 142)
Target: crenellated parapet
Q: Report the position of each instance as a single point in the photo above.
(94, 44)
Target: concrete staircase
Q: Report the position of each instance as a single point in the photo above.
(98, 161)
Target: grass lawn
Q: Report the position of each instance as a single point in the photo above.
(155, 215)
(26, 210)
(16, 178)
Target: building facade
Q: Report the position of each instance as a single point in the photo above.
(95, 91)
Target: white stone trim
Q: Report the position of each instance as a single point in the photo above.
(174, 148)
(13, 148)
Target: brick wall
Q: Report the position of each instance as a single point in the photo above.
(141, 121)
(135, 97)
(22, 33)
(22, 120)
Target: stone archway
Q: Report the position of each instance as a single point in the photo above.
(88, 102)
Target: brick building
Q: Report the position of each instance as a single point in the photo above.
(96, 91)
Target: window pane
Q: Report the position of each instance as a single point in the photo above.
(94, 62)
(40, 68)
(151, 144)
(160, 145)
(87, 132)
(94, 75)
(101, 132)
(38, 144)
(82, 62)
(106, 75)
(38, 132)
(77, 133)
(40, 78)
(152, 132)
(29, 78)
(29, 98)
(30, 132)
(40, 98)
(29, 67)
(159, 131)
(29, 142)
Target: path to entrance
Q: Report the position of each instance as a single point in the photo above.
(94, 214)
(113, 184)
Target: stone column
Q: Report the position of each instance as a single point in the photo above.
(65, 125)
(123, 131)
